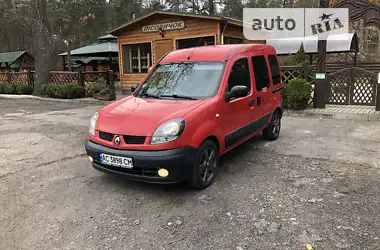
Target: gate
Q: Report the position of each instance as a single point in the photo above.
(351, 86)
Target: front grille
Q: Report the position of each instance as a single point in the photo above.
(106, 136)
(131, 139)
(148, 172)
(128, 139)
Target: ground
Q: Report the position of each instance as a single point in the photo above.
(318, 183)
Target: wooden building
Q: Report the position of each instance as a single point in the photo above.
(141, 42)
(99, 56)
(16, 61)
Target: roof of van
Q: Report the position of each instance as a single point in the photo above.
(217, 53)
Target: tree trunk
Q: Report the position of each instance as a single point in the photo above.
(42, 45)
(211, 7)
(42, 62)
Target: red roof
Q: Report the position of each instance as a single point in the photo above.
(217, 53)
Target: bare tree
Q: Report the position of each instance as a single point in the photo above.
(43, 43)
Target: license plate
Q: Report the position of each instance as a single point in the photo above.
(118, 161)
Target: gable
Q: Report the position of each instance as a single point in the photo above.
(171, 21)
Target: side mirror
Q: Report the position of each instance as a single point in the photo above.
(237, 92)
(134, 87)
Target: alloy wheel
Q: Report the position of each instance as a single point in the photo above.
(207, 165)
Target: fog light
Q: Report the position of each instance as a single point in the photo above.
(90, 158)
(163, 172)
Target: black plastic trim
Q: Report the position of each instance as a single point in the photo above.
(244, 131)
(277, 89)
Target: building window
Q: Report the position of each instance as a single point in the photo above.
(137, 58)
(273, 63)
(239, 75)
(260, 69)
(232, 40)
(194, 42)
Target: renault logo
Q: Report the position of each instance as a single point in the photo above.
(117, 140)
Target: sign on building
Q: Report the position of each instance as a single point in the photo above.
(164, 26)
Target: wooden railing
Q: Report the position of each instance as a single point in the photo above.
(24, 77)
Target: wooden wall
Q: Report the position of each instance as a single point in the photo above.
(27, 62)
(237, 32)
(194, 27)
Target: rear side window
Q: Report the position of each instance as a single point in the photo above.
(239, 75)
(260, 69)
(275, 69)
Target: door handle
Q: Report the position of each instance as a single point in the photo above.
(258, 100)
(251, 102)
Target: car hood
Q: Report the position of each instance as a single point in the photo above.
(141, 116)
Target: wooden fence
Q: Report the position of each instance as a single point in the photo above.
(59, 77)
(26, 77)
(300, 71)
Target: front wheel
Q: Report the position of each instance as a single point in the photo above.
(206, 165)
(272, 132)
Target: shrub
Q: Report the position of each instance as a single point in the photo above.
(106, 91)
(297, 94)
(64, 91)
(24, 89)
(7, 88)
(96, 87)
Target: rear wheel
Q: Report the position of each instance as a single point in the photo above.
(272, 132)
(206, 165)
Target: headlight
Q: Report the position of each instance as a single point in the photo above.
(168, 131)
(93, 120)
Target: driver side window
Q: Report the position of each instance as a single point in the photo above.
(239, 75)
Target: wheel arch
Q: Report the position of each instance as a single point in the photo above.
(214, 139)
(280, 110)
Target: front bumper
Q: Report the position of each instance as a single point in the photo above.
(179, 162)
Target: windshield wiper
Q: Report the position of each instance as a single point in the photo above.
(179, 96)
(150, 95)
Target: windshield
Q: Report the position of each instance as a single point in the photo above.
(195, 80)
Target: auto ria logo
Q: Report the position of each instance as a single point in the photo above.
(276, 23)
(327, 24)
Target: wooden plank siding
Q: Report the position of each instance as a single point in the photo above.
(194, 28)
(237, 32)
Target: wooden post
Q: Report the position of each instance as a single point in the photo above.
(111, 80)
(9, 77)
(130, 59)
(377, 107)
(320, 84)
(110, 61)
(29, 77)
(305, 71)
(107, 76)
(80, 78)
(64, 63)
(139, 58)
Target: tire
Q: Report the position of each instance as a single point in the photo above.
(203, 174)
(272, 132)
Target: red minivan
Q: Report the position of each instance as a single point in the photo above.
(194, 106)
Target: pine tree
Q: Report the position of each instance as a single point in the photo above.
(300, 55)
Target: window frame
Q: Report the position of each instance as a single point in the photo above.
(176, 40)
(150, 63)
(254, 74)
(278, 68)
(250, 76)
(232, 38)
